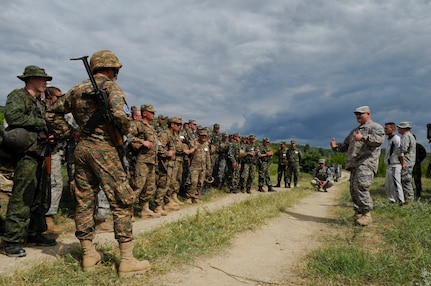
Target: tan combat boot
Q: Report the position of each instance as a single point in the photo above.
(172, 206)
(129, 266)
(365, 219)
(159, 210)
(176, 200)
(90, 257)
(51, 227)
(147, 213)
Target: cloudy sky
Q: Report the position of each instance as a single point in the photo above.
(282, 69)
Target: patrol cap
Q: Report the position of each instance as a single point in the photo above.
(162, 116)
(292, 142)
(147, 107)
(203, 132)
(251, 136)
(404, 125)
(34, 71)
(362, 109)
(176, 120)
(321, 161)
(283, 142)
(265, 139)
(216, 125)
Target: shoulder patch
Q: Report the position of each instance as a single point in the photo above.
(126, 109)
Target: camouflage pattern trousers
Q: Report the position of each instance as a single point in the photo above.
(56, 183)
(247, 175)
(264, 177)
(360, 182)
(197, 176)
(282, 172)
(29, 200)
(145, 181)
(406, 181)
(293, 170)
(175, 177)
(99, 164)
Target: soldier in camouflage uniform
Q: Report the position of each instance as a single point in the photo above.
(322, 177)
(144, 140)
(220, 173)
(29, 200)
(233, 163)
(97, 163)
(282, 164)
(265, 156)
(249, 164)
(294, 157)
(214, 140)
(200, 167)
(363, 151)
(409, 148)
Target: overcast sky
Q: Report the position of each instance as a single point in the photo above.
(288, 69)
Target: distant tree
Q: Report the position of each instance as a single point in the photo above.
(310, 159)
(306, 147)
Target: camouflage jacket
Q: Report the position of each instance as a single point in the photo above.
(409, 148)
(367, 151)
(201, 157)
(323, 174)
(282, 156)
(294, 156)
(83, 108)
(233, 152)
(144, 132)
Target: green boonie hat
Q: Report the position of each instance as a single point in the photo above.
(147, 107)
(34, 71)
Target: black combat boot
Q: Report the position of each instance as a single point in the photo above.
(278, 185)
(260, 190)
(271, 189)
(288, 185)
(248, 191)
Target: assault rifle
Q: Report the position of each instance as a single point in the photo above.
(102, 115)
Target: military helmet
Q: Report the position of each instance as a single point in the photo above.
(104, 59)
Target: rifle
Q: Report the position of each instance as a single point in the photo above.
(102, 115)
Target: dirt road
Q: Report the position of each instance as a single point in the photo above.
(266, 256)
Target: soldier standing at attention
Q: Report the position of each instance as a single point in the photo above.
(265, 157)
(200, 167)
(282, 164)
(294, 157)
(97, 163)
(28, 203)
(409, 148)
(363, 151)
(144, 140)
(234, 164)
(249, 164)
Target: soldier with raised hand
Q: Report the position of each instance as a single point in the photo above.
(363, 147)
(97, 162)
(29, 200)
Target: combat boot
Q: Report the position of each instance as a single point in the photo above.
(288, 185)
(171, 206)
(285, 185)
(129, 266)
(278, 185)
(248, 191)
(160, 210)
(176, 200)
(147, 213)
(260, 189)
(365, 219)
(90, 257)
(271, 189)
(51, 227)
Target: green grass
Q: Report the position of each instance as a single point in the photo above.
(394, 250)
(170, 246)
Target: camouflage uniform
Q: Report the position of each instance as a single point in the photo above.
(409, 148)
(233, 164)
(294, 157)
(222, 152)
(362, 162)
(200, 167)
(214, 140)
(322, 173)
(248, 165)
(145, 173)
(282, 164)
(165, 164)
(265, 156)
(177, 176)
(29, 198)
(97, 161)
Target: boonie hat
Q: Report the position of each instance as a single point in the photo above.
(147, 107)
(34, 71)
(405, 125)
(362, 109)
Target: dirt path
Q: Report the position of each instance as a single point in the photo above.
(266, 256)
